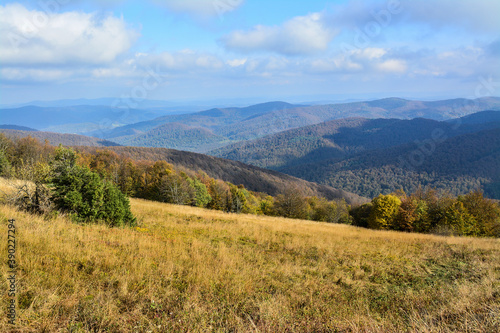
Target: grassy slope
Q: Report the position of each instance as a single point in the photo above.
(187, 269)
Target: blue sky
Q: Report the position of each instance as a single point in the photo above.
(296, 51)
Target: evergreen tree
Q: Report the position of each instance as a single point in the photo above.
(81, 192)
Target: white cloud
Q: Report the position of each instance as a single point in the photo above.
(301, 35)
(110, 72)
(31, 37)
(366, 62)
(392, 66)
(236, 62)
(338, 64)
(463, 62)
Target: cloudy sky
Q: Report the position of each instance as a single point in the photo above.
(263, 50)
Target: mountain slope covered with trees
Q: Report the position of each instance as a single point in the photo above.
(364, 155)
(239, 124)
(459, 164)
(253, 178)
(343, 137)
(59, 138)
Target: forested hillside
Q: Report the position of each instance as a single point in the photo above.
(58, 138)
(364, 155)
(337, 139)
(238, 124)
(211, 125)
(90, 186)
(458, 165)
(253, 178)
(176, 136)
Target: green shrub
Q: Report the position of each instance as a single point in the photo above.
(82, 193)
(202, 197)
(116, 208)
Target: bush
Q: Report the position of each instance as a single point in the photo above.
(116, 210)
(202, 197)
(81, 192)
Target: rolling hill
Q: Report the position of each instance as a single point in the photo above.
(337, 139)
(186, 269)
(218, 127)
(241, 124)
(213, 120)
(73, 119)
(57, 138)
(458, 165)
(253, 178)
(176, 136)
(363, 155)
(279, 121)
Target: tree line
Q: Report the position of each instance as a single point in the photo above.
(93, 186)
(96, 174)
(425, 211)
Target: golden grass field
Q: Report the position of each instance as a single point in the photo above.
(187, 269)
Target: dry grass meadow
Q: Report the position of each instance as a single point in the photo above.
(186, 269)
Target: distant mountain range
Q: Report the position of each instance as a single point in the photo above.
(371, 156)
(216, 128)
(223, 126)
(361, 147)
(213, 128)
(73, 119)
(16, 127)
(57, 138)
